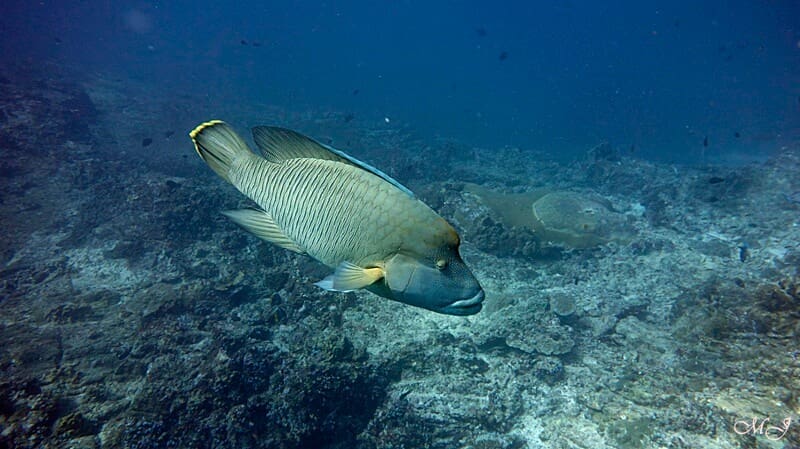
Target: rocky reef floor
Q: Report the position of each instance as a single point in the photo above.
(132, 314)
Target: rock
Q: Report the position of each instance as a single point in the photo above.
(562, 304)
(549, 369)
(74, 425)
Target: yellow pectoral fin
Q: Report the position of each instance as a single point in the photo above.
(349, 276)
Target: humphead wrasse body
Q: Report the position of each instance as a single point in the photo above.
(318, 201)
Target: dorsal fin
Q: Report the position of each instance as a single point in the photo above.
(279, 144)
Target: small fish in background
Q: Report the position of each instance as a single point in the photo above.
(726, 52)
(744, 251)
(705, 141)
(355, 92)
(480, 31)
(58, 41)
(168, 134)
(792, 197)
(503, 56)
(146, 141)
(737, 134)
(349, 117)
(245, 42)
(715, 180)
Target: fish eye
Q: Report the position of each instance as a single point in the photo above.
(441, 264)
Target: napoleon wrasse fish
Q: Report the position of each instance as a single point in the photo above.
(370, 229)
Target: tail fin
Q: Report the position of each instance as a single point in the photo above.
(218, 145)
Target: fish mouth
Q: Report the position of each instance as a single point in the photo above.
(469, 306)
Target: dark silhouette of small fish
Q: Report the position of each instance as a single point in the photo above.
(503, 56)
(744, 251)
(737, 135)
(349, 117)
(146, 141)
(355, 92)
(715, 180)
(243, 42)
(705, 141)
(168, 134)
(792, 197)
(480, 31)
(58, 41)
(256, 44)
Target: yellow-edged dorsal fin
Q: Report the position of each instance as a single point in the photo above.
(280, 144)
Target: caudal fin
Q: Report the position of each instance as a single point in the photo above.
(218, 145)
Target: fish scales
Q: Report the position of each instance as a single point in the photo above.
(332, 210)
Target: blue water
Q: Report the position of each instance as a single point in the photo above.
(653, 78)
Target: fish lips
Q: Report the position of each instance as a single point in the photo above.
(469, 306)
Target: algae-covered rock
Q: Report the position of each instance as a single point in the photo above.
(562, 304)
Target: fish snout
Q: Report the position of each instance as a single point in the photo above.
(469, 306)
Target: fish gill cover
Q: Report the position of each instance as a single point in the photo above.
(623, 178)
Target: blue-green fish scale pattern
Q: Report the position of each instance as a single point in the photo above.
(335, 211)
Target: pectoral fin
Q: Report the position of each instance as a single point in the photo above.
(349, 277)
(261, 224)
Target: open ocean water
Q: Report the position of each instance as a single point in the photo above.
(624, 179)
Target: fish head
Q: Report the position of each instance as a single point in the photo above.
(442, 283)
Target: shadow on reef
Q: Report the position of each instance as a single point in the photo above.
(185, 367)
(258, 398)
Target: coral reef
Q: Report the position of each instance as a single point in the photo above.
(133, 315)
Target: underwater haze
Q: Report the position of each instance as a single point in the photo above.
(554, 76)
(461, 224)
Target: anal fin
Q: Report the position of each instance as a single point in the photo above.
(261, 224)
